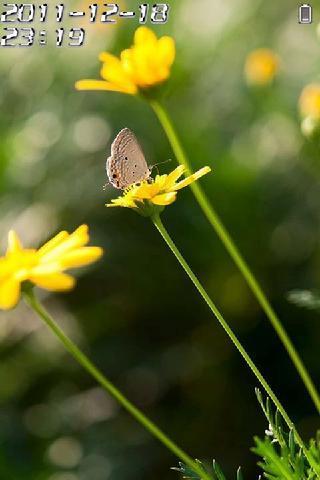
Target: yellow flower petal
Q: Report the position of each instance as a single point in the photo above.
(9, 293)
(112, 71)
(19, 262)
(56, 282)
(6, 268)
(54, 242)
(80, 257)
(144, 35)
(166, 51)
(106, 57)
(103, 85)
(150, 60)
(146, 191)
(126, 58)
(192, 178)
(122, 202)
(164, 198)
(144, 63)
(125, 72)
(14, 244)
(77, 239)
(171, 179)
(43, 269)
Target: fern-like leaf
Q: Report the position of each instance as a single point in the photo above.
(281, 457)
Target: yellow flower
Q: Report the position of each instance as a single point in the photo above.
(261, 67)
(148, 198)
(146, 64)
(309, 106)
(43, 267)
(309, 102)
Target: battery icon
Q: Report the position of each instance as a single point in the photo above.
(305, 13)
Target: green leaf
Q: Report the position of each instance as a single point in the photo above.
(216, 474)
(186, 471)
(239, 474)
(272, 463)
(217, 471)
(281, 457)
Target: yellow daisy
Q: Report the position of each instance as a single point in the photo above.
(309, 102)
(44, 267)
(160, 193)
(309, 106)
(145, 64)
(261, 67)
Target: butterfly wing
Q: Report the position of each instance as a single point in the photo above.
(127, 164)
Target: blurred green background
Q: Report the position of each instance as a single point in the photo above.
(135, 313)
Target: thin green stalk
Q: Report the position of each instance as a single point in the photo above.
(84, 361)
(166, 237)
(234, 252)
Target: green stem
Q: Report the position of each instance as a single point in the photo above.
(84, 361)
(231, 247)
(165, 235)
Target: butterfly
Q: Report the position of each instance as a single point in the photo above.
(127, 164)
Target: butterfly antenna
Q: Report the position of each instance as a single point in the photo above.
(156, 165)
(104, 188)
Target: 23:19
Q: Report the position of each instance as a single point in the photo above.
(26, 37)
